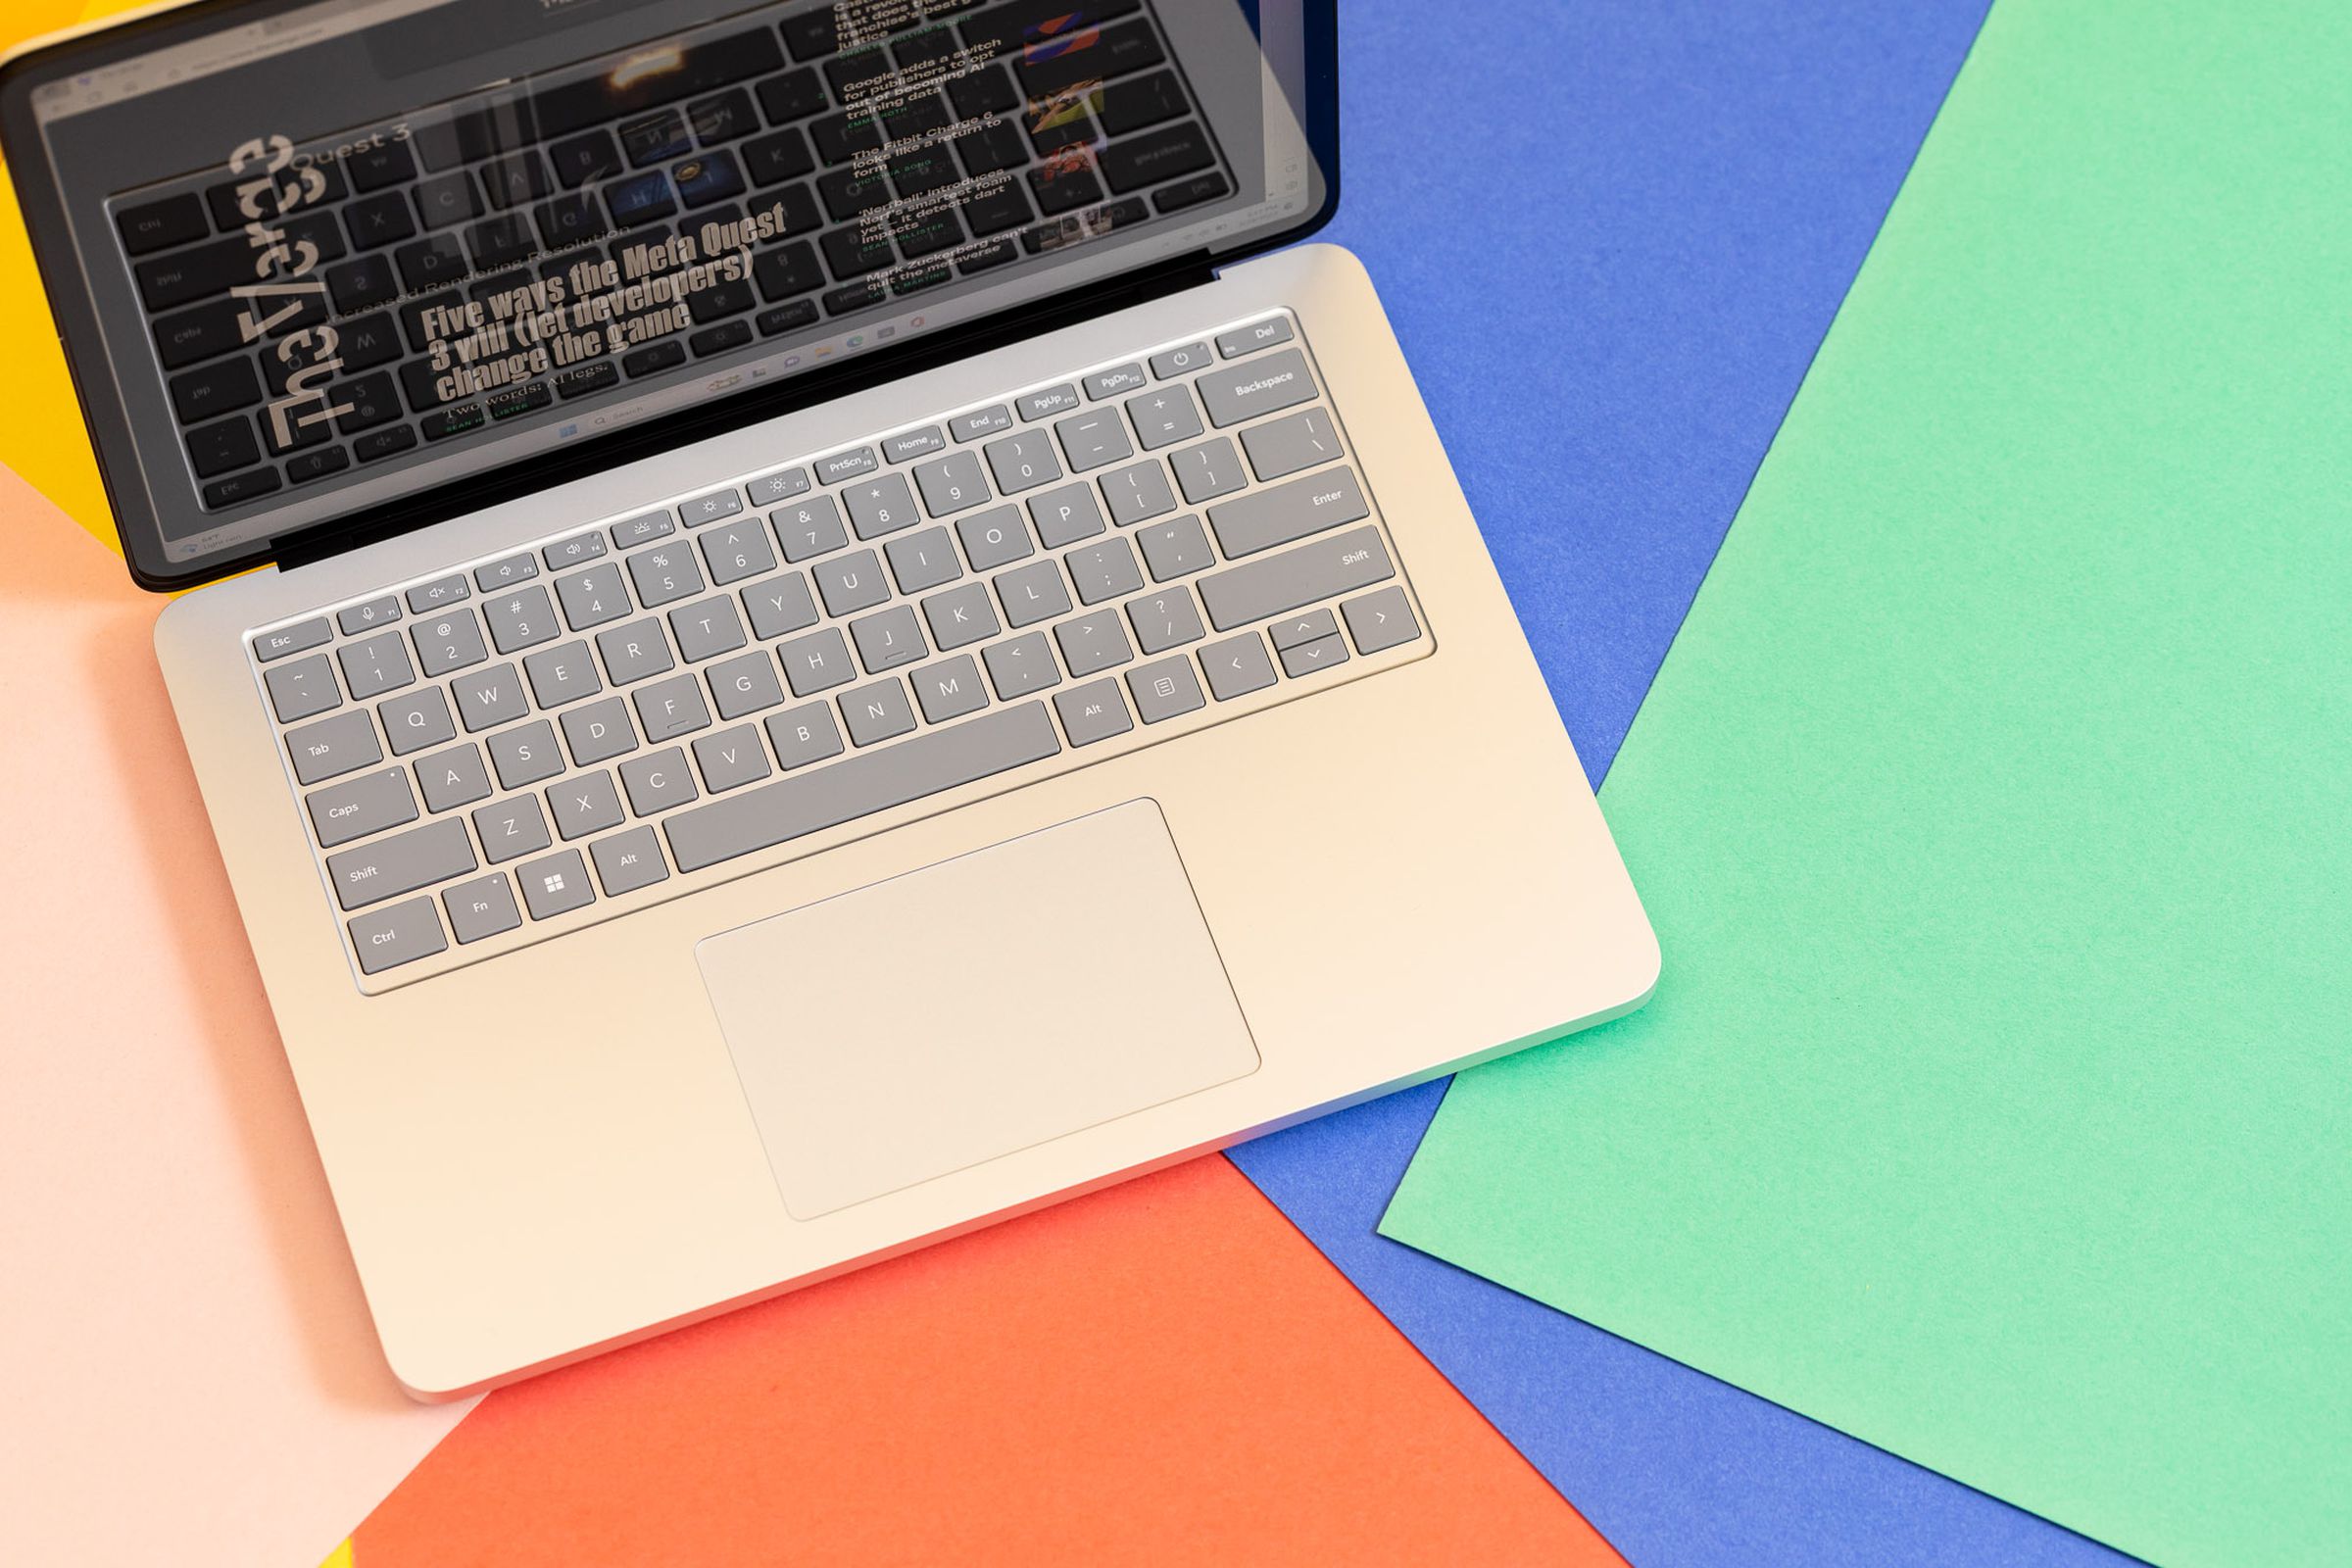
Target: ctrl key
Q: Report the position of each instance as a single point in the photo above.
(399, 934)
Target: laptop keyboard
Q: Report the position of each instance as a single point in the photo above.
(624, 711)
(959, 143)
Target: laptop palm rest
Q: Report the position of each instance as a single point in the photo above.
(975, 1007)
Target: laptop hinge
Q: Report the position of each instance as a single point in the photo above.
(320, 541)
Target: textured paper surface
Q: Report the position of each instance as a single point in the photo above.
(188, 1371)
(1157, 1372)
(1991, 808)
(1680, 223)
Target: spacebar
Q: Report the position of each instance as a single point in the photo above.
(869, 782)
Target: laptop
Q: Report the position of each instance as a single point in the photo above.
(803, 626)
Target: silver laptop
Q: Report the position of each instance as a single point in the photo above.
(807, 635)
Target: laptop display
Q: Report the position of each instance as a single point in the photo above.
(317, 262)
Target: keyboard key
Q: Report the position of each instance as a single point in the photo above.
(353, 620)
(952, 484)
(1036, 406)
(923, 561)
(302, 688)
(803, 735)
(770, 488)
(745, 685)
(993, 538)
(887, 640)
(809, 528)
(671, 708)
(779, 604)
(730, 759)
(1259, 590)
(505, 573)
(1114, 382)
(1257, 336)
(481, 908)
(1022, 666)
(1138, 492)
(711, 508)
(1209, 470)
(214, 389)
(663, 575)
(428, 597)
(962, 615)
(1165, 415)
(588, 804)
(383, 443)
(1032, 593)
(593, 597)
(1234, 393)
(800, 804)
(816, 662)
(377, 665)
(949, 689)
(1237, 666)
(1292, 630)
(845, 465)
(1065, 515)
(1093, 712)
(161, 224)
(1103, 571)
(1022, 462)
(401, 863)
(627, 862)
(239, 488)
(199, 333)
(1165, 689)
(1292, 509)
(1135, 162)
(1164, 620)
(1380, 620)
(1175, 549)
(476, 132)
(706, 628)
(523, 619)
(1283, 447)
(453, 779)
(332, 747)
(1093, 642)
(418, 719)
(511, 829)
(881, 506)
(218, 447)
(555, 885)
(293, 639)
(981, 422)
(526, 755)
(598, 732)
(378, 162)
(571, 551)
(401, 934)
(658, 781)
(634, 651)
(489, 696)
(561, 676)
(1176, 361)
(446, 199)
(851, 583)
(1308, 657)
(1092, 439)
(913, 444)
(642, 530)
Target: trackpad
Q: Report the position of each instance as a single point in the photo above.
(975, 1007)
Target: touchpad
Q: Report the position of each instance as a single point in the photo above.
(977, 1007)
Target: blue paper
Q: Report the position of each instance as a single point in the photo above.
(1611, 237)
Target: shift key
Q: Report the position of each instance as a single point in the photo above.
(401, 863)
(1276, 585)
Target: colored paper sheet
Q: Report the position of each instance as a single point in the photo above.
(1158, 1371)
(1685, 217)
(188, 1371)
(1990, 808)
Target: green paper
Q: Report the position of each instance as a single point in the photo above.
(1994, 810)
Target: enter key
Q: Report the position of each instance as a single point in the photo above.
(1290, 511)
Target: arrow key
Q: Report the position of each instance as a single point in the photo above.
(1380, 620)
(1304, 658)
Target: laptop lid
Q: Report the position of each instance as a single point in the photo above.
(327, 270)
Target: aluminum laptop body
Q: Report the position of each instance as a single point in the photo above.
(804, 637)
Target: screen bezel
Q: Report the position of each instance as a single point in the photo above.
(97, 390)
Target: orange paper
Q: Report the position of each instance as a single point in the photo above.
(1161, 1372)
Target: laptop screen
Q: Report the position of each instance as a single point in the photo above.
(317, 261)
